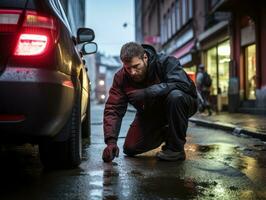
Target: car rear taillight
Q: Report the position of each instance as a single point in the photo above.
(31, 44)
(9, 20)
(37, 35)
(11, 118)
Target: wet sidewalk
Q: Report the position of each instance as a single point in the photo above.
(238, 123)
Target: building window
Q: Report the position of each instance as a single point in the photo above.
(176, 16)
(173, 19)
(177, 13)
(169, 25)
(214, 2)
(164, 29)
(190, 9)
(250, 69)
(184, 11)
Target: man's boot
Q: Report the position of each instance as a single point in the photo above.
(169, 155)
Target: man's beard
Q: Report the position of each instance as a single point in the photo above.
(142, 77)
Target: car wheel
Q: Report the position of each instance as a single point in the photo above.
(65, 154)
(86, 124)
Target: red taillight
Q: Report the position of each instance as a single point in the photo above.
(31, 44)
(9, 20)
(11, 118)
(37, 34)
(34, 20)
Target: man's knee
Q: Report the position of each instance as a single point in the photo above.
(130, 151)
(176, 97)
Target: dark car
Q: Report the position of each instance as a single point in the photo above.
(44, 87)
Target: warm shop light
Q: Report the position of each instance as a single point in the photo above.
(101, 82)
(102, 96)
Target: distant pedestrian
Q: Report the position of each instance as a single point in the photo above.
(204, 83)
(164, 97)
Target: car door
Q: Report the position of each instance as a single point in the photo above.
(83, 75)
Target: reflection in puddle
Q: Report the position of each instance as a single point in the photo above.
(96, 193)
(208, 148)
(245, 159)
(174, 187)
(110, 197)
(170, 187)
(97, 183)
(96, 173)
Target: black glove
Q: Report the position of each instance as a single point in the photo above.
(160, 89)
(136, 95)
(110, 152)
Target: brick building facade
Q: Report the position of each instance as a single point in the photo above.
(224, 35)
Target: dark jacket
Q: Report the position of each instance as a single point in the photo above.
(164, 74)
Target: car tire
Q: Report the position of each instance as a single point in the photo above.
(86, 124)
(65, 154)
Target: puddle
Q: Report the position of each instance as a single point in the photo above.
(174, 187)
(136, 173)
(110, 173)
(207, 148)
(170, 187)
(110, 197)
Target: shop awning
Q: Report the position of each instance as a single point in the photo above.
(184, 50)
(228, 5)
(211, 31)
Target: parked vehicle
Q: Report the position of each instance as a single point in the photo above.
(44, 87)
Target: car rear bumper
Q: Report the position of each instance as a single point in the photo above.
(34, 102)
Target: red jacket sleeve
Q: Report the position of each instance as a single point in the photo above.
(115, 108)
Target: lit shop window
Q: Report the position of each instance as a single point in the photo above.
(250, 63)
(191, 72)
(218, 59)
(212, 68)
(223, 59)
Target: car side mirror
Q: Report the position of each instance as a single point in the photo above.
(85, 35)
(89, 48)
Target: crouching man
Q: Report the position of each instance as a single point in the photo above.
(164, 97)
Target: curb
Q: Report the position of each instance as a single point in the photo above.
(228, 127)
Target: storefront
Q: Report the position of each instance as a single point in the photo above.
(248, 63)
(247, 33)
(250, 72)
(191, 72)
(217, 65)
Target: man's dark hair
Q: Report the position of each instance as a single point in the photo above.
(131, 50)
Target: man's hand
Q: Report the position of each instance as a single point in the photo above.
(110, 152)
(136, 95)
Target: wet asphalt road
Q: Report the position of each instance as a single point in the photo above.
(219, 165)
